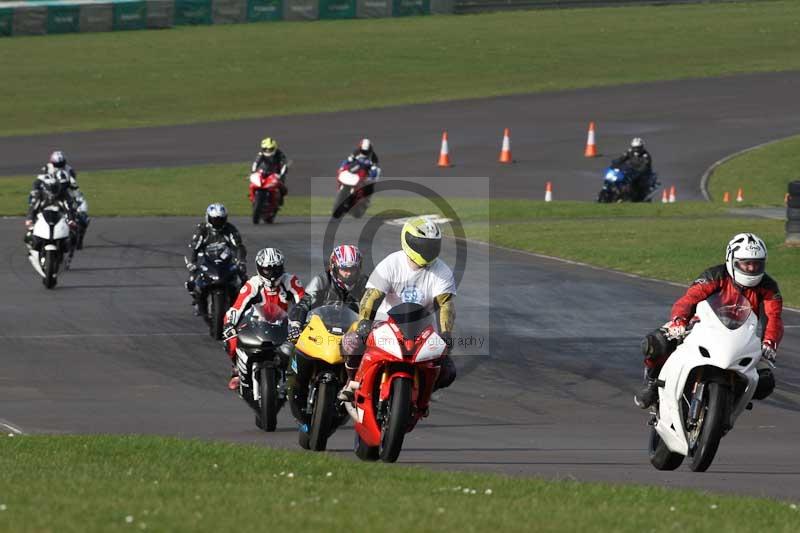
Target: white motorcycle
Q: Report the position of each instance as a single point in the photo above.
(705, 385)
(50, 249)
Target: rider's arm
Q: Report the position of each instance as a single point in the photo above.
(198, 241)
(773, 310)
(257, 162)
(236, 242)
(707, 284)
(445, 312)
(296, 288)
(248, 291)
(311, 299)
(370, 303)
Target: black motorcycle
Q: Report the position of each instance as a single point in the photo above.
(619, 186)
(261, 361)
(216, 284)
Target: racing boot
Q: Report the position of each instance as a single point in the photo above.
(233, 384)
(348, 392)
(648, 395)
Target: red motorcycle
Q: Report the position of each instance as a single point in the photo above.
(397, 373)
(265, 194)
(355, 184)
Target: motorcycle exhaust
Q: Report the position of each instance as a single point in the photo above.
(353, 412)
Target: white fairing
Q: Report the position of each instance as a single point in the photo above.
(255, 179)
(41, 228)
(726, 348)
(348, 179)
(35, 260)
(433, 348)
(385, 339)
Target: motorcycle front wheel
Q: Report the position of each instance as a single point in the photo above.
(50, 269)
(217, 314)
(322, 416)
(712, 428)
(341, 204)
(258, 204)
(267, 416)
(395, 422)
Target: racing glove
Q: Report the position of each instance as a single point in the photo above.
(191, 267)
(229, 332)
(677, 327)
(769, 351)
(294, 330)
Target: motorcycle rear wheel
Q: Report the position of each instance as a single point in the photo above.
(322, 417)
(660, 456)
(218, 308)
(713, 427)
(395, 423)
(50, 269)
(267, 416)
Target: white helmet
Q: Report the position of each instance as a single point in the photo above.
(216, 215)
(637, 142)
(58, 159)
(269, 264)
(746, 259)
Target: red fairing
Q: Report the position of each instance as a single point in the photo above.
(267, 181)
(716, 279)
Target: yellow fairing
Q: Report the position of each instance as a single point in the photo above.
(318, 343)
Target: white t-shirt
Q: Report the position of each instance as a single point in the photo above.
(402, 284)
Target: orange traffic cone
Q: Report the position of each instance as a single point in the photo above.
(739, 196)
(591, 146)
(672, 194)
(664, 197)
(726, 198)
(548, 192)
(444, 153)
(505, 151)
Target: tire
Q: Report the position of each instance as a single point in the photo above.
(50, 269)
(712, 430)
(364, 452)
(793, 214)
(794, 188)
(793, 226)
(258, 203)
(268, 403)
(322, 417)
(395, 422)
(340, 203)
(360, 209)
(660, 456)
(605, 197)
(794, 201)
(217, 314)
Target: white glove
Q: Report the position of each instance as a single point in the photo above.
(768, 351)
(677, 328)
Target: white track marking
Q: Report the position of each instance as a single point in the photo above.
(100, 335)
(15, 430)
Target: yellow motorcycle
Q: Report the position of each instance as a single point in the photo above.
(320, 374)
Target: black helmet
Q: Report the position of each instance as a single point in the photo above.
(216, 215)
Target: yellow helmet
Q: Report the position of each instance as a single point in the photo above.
(422, 240)
(268, 144)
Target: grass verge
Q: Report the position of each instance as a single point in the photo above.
(673, 241)
(131, 483)
(763, 174)
(233, 71)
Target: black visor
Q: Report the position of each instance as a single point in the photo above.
(217, 222)
(428, 248)
(270, 272)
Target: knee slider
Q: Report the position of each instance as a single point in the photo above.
(766, 384)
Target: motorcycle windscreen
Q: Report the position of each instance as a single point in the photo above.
(732, 314)
(51, 216)
(410, 318)
(338, 318)
(263, 324)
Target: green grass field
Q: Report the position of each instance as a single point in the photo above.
(763, 174)
(123, 79)
(139, 483)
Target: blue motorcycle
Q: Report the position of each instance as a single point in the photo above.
(618, 186)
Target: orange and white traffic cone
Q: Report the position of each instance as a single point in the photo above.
(505, 151)
(726, 198)
(739, 196)
(548, 192)
(664, 197)
(444, 153)
(672, 194)
(591, 146)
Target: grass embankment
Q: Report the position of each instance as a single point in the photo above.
(763, 174)
(232, 71)
(158, 484)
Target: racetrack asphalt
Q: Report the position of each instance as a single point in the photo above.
(115, 349)
(687, 125)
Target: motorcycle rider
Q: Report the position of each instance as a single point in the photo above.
(742, 273)
(272, 284)
(414, 274)
(638, 159)
(364, 149)
(341, 282)
(272, 160)
(51, 190)
(216, 228)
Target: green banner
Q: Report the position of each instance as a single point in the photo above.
(404, 8)
(6, 22)
(130, 15)
(262, 10)
(192, 12)
(337, 9)
(63, 19)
